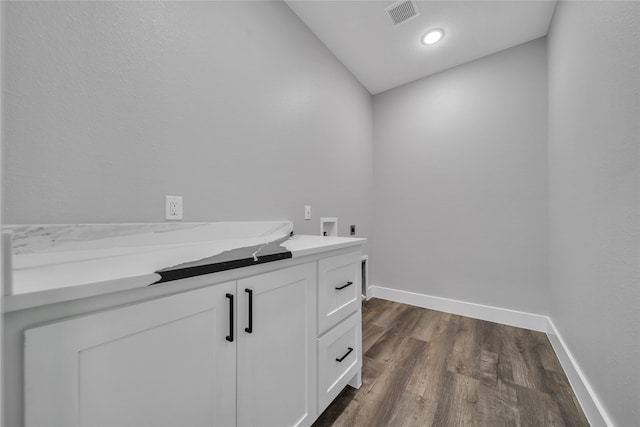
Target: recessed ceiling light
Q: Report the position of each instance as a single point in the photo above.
(433, 36)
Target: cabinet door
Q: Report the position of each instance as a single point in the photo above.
(277, 359)
(338, 289)
(165, 362)
(339, 358)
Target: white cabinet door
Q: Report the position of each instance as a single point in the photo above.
(339, 358)
(165, 362)
(277, 383)
(338, 289)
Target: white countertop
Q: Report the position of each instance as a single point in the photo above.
(89, 266)
(303, 245)
(51, 256)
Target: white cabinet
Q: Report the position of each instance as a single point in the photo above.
(272, 349)
(339, 358)
(177, 360)
(276, 359)
(339, 325)
(338, 288)
(164, 362)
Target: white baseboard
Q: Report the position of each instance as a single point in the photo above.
(519, 319)
(593, 409)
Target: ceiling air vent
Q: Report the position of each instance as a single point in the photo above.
(402, 11)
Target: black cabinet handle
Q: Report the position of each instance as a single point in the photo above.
(230, 336)
(340, 359)
(250, 328)
(344, 286)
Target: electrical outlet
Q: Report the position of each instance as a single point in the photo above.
(307, 212)
(173, 208)
(352, 230)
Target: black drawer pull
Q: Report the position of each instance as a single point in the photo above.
(230, 336)
(250, 328)
(344, 286)
(340, 359)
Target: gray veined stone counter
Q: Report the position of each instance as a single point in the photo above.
(57, 263)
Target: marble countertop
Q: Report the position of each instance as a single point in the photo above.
(56, 256)
(62, 262)
(304, 245)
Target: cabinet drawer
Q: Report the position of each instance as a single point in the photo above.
(338, 289)
(339, 358)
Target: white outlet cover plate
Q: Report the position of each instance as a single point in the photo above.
(173, 208)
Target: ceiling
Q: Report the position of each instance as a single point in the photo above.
(382, 56)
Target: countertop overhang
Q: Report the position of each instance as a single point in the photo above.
(57, 263)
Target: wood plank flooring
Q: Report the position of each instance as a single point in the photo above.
(428, 368)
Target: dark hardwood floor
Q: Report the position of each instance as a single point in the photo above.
(428, 368)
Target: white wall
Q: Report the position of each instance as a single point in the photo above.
(594, 189)
(2, 27)
(460, 183)
(236, 106)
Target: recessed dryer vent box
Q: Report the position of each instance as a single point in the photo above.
(328, 226)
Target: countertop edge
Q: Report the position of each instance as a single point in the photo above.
(299, 245)
(70, 293)
(310, 245)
